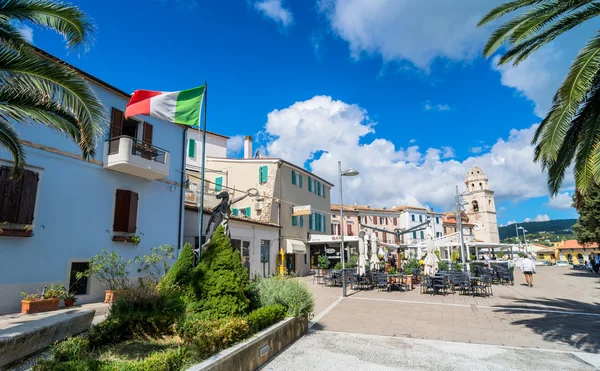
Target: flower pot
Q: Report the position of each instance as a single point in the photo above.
(111, 296)
(38, 306)
(409, 280)
(69, 303)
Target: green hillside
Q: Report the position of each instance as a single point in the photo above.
(559, 227)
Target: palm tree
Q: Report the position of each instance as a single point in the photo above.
(570, 132)
(36, 88)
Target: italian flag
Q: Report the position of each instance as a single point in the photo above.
(180, 107)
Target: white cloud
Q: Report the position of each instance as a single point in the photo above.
(413, 140)
(26, 32)
(476, 150)
(562, 201)
(511, 222)
(419, 32)
(448, 152)
(235, 145)
(436, 107)
(274, 10)
(538, 218)
(390, 175)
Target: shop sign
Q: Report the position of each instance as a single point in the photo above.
(301, 210)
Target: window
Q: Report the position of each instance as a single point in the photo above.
(381, 220)
(412, 217)
(375, 220)
(218, 183)
(437, 220)
(301, 221)
(78, 286)
(475, 206)
(349, 229)
(191, 148)
(315, 186)
(414, 234)
(305, 259)
(244, 248)
(300, 180)
(420, 218)
(310, 184)
(294, 220)
(319, 188)
(18, 196)
(480, 186)
(395, 221)
(245, 212)
(126, 208)
(263, 174)
(422, 235)
(235, 212)
(293, 177)
(324, 225)
(384, 237)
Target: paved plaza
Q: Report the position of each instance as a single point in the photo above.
(560, 315)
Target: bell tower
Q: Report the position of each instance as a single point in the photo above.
(481, 207)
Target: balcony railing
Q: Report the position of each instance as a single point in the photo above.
(129, 155)
(138, 148)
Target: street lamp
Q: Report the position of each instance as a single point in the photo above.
(349, 172)
(524, 237)
(459, 206)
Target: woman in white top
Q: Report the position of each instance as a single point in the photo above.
(528, 269)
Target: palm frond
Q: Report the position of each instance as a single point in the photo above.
(506, 8)
(524, 49)
(9, 139)
(567, 100)
(23, 104)
(588, 141)
(546, 13)
(10, 36)
(61, 83)
(66, 19)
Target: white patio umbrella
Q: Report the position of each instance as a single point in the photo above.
(431, 260)
(361, 253)
(374, 258)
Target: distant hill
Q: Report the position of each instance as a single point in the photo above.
(559, 226)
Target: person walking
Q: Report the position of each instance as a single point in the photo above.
(597, 265)
(528, 269)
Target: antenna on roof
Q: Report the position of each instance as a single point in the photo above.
(257, 154)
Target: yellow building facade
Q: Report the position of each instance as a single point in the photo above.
(568, 250)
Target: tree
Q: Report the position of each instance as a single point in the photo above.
(220, 279)
(36, 88)
(587, 228)
(180, 273)
(570, 132)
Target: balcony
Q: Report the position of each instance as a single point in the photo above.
(130, 156)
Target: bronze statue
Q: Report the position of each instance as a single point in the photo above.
(221, 212)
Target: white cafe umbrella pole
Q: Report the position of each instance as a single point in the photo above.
(374, 258)
(431, 260)
(361, 253)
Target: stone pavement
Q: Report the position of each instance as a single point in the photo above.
(324, 350)
(560, 312)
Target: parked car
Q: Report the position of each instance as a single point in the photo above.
(542, 262)
(562, 263)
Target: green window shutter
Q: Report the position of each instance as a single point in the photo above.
(294, 221)
(437, 220)
(414, 234)
(191, 148)
(323, 191)
(420, 218)
(235, 212)
(260, 175)
(422, 236)
(293, 177)
(300, 180)
(412, 217)
(301, 221)
(318, 188)
(315, 186)
(248, 212)
(310, 222)
(324, 223)
(264, 170)
(218, 183)
(310, 184)
(319, 220)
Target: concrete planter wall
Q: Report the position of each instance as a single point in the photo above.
(256, 351)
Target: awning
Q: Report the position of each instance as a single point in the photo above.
(295, 247)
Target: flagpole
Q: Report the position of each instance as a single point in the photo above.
(201, 202)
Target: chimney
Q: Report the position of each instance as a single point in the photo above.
(247, 146)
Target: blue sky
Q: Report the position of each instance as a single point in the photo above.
(393, 88)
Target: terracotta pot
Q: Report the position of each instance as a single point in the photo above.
(111, 296)
(409, 280)
(69, 303)
(38, 306)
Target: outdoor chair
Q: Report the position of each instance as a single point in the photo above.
(382, 282)
(464, 284)
(426, 284)
(440, 283)
(483, 287)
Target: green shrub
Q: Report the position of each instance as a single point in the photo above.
(156, 264)
(220, 280)
(71, 349)
(443, 265)
(291, 293)
(338, 265)
(324, 262)
(77, 365)
(169, 360)
(139, 312)
(352, 261)
(211, 336)
(522, 254)
(500, 254)
(180, 273)
(265, 317)
(454, 256)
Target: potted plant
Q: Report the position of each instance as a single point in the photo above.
(135, 239)
(69, 299)
(323, 263)
(111, 270)
(44, 301)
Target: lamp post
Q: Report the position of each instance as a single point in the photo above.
(524, 238)
(349, 172)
